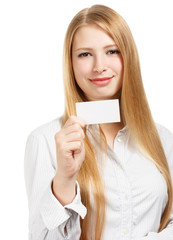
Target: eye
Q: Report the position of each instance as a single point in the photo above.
(85, 54)
(115, 51)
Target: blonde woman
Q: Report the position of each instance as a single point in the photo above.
(102, 181)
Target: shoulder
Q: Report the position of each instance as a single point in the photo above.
(43, 136)
(166, 137)
(47, 129)
(41, 142)
(165, 134)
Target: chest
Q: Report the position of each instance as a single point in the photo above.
(127, 171)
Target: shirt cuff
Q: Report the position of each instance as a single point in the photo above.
(54, 213)
(77, 205)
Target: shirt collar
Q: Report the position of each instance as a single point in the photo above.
(96, 127)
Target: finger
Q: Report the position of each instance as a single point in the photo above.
(70, 134)
(75, 128)
(74, 136)
(74, 119)
(75, 146)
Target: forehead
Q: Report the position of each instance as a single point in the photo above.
(91, 35)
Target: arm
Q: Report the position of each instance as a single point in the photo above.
(167, 141)
(48, 218)
(165, 234)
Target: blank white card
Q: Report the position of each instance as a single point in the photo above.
(94, 112)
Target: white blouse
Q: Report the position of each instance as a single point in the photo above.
(135, 190)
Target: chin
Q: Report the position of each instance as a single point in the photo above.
(102, 97)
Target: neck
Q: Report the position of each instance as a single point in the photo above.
(110, 131)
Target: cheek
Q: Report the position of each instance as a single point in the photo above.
(117, 66)
(82, 68)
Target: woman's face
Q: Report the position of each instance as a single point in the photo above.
(97, 63)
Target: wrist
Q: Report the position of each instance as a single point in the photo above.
(64, 189)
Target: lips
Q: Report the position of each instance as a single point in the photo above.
(101, 81)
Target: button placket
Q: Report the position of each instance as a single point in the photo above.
(119, 154)
(125, 187)
(126, 207)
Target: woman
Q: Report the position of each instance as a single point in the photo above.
(103, 181)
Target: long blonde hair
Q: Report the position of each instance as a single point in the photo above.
(135, 113)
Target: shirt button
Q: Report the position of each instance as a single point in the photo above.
(118, 165)
(126, 231)
(120, 138)
(126, 197)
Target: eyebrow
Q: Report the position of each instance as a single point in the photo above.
(86, 48)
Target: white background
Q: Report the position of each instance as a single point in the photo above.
(31, 88)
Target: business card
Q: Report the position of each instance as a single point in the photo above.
(94, 112)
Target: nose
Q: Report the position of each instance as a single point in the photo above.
(99, 65)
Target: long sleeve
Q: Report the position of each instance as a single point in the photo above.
(48, 219)
(165, 234)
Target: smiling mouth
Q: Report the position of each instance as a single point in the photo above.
(101, 81)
